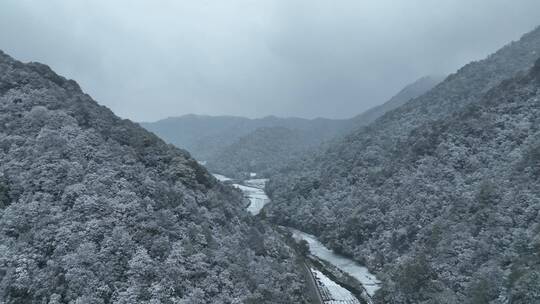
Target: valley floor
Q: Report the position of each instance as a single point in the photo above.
(361, 273)
(329, 290)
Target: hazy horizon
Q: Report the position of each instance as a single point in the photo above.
(255, 59)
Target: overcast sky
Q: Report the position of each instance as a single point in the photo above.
(148, 60)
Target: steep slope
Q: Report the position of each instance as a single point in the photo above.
(411, 91)
(431, 193)
(95, 209)
(260, 151)
(206, 136)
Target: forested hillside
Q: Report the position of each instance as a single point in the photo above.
(413, 90)
(95, 209)
(268, 150)
(440, 195)
(207, 136)
(260, 151)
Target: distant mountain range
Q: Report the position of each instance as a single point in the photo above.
(204, 136)
(237, 146)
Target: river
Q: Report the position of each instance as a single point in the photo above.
(253, 189)
(357, 271)
(331, 291)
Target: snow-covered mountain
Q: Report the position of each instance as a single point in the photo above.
(237, 146)
(95, 209)
(206, 136)
(439, 196)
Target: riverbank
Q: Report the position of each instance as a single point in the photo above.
(368, 280)
(332, 278)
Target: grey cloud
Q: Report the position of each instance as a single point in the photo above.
(151, 59)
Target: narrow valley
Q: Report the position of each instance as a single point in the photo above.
(330, 291)
(270, 152)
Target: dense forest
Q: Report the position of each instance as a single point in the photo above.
(436, 192)
(260, 151)
(95, 209)
(207, 136)
(439, 196)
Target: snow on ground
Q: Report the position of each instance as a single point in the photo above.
(331, 292)
(361, 273)
(256, 196)
(253, 190)
(259, 183)
(221, 178)
(334, 293)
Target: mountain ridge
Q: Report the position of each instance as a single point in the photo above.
(231, 146)
(204, 135)
(95, 209)
(408, 182)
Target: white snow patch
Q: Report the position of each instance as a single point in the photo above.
(254, 191)
(331, 292)
(256, 196)
(259, 183)
(221, 178)
(361, 273)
